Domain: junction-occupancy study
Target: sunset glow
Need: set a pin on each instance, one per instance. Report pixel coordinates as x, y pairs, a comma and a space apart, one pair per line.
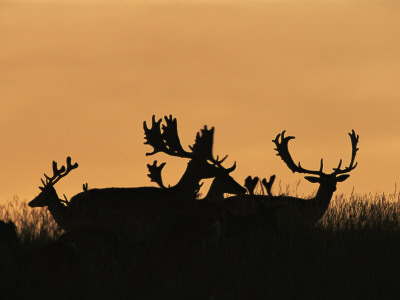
80, 79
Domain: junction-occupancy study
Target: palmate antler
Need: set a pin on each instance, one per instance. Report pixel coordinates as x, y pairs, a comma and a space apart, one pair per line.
155, 173
165, 139
283, 152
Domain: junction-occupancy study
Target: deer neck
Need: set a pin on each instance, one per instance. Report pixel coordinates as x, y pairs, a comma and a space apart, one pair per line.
215, 191
322, 199
189, 182
59, 213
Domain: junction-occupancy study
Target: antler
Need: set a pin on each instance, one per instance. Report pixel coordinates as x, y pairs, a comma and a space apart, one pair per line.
59, 173
203, 146
354, 141
283, 152
155, 176
250, 184
268, 184
155, 173
166, 139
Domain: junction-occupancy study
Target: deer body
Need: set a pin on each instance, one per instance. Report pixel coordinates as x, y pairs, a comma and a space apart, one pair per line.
200, 222
139, 209
290, 211
251, 212
60, 213
295, 211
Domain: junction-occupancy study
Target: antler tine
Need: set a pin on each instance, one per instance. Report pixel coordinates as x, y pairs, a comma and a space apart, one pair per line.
354, 141
155, 173
283, 152
218, 161
153, 136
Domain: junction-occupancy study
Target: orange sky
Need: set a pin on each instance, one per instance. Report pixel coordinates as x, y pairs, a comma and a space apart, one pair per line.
79, 79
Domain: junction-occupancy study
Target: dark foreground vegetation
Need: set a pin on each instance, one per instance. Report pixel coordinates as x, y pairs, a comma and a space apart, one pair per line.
353, 253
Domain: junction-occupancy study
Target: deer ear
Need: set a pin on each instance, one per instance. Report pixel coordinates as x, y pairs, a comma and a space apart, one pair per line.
342, 178
312, 179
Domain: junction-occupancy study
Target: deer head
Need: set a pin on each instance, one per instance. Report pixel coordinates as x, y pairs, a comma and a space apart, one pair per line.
48, 195
223, 183
328, 181
165, 139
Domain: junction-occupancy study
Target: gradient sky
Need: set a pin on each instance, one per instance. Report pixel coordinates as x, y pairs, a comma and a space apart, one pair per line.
79, 79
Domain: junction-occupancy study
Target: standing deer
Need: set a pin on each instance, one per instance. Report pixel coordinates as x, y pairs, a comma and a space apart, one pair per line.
141, 207
48, 196
295, 211
251, 211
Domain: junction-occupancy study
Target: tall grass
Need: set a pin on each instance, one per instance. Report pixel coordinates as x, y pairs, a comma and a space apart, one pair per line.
32, 224
352, 253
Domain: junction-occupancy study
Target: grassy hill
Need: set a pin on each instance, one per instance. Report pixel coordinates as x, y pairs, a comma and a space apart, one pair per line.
353, 252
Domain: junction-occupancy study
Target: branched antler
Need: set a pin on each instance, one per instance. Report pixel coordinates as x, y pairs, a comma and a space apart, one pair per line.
59, 173
354, 141
166, 139
283, 152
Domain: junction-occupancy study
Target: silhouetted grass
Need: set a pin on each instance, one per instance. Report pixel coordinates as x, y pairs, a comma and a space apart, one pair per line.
353, 253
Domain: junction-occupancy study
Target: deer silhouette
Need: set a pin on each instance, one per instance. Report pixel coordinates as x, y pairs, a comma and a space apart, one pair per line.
138, 207
294, 211
199, 223
203, 222
249, 212
48, 197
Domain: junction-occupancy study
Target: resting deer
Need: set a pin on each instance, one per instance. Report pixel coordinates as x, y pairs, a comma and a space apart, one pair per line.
135, 206
297, 211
